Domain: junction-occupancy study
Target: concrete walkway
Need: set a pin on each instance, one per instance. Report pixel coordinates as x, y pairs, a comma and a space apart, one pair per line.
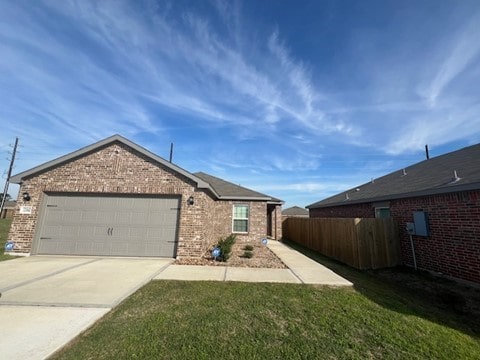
306, 269
301, 269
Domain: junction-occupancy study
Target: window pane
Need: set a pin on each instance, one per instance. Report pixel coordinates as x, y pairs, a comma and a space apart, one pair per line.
382, 212
240, 212
240, 218
240, 225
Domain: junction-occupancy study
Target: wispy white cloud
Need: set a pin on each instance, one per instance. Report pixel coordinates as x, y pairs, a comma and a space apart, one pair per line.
461, 50
434, 128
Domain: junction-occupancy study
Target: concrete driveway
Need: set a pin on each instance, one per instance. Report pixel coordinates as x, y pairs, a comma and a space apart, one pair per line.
47, 300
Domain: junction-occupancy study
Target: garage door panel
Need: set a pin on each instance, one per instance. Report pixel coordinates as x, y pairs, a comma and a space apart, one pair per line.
89, 216
120, 248
84, 247
86, 231
100, 248
117, 226
68, 231
104, 216
140, 218
55, 246
123, 218
54, 215
71, 216
48, 246
51, 230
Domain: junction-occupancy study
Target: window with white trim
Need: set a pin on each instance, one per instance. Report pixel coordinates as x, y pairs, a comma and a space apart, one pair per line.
240, 218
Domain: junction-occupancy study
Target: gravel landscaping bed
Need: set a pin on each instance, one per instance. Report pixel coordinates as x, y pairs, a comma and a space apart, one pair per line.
263, 257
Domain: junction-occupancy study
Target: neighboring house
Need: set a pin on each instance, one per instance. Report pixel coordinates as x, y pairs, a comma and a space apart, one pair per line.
8, 209
445, 188
116, 198
294, 211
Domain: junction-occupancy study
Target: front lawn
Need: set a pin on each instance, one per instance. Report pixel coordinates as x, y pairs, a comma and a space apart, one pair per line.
4, 228
222, 320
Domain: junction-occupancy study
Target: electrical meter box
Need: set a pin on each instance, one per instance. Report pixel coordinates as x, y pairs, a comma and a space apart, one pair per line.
420, 218
410, 228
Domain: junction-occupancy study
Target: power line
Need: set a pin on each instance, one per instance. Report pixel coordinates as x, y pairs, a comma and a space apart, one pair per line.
7, 182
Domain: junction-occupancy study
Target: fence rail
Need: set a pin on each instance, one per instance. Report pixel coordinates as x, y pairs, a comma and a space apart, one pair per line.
361, 243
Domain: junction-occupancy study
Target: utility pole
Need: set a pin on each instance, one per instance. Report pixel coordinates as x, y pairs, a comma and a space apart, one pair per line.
7, 182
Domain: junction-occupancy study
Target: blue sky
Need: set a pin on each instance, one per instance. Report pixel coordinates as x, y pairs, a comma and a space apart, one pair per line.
296, 99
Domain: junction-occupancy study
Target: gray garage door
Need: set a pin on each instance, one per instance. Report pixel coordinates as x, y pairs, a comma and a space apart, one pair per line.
107, 225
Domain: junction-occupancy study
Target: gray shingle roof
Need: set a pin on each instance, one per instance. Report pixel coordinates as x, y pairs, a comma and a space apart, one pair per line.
428, 177
229, 191
295, 211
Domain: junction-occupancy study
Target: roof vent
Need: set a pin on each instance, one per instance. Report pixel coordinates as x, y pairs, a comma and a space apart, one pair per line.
346, 196
455, 177
372, 180
404, 172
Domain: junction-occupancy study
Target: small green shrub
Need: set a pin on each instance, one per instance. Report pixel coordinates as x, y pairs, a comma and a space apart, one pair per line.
248, 247
248, 254
225, 246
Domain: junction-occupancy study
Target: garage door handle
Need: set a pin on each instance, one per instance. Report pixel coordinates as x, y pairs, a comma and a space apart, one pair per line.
109, 231
45, 238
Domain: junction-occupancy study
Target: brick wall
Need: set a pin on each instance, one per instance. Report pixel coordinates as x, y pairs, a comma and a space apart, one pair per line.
453, 247
118, 169
277, 222
257, 227
350, 211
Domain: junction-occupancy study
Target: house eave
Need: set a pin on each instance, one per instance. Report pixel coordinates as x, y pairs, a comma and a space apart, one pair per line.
244, 198
427, 192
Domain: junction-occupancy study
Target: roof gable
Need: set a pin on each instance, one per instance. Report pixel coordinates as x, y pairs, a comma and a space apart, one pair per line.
18, 178
433, 176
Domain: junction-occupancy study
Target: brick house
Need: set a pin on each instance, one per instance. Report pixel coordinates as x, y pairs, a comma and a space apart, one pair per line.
115, 198
442, 193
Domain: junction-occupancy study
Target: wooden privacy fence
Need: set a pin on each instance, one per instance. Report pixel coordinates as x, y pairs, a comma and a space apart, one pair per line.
361, 243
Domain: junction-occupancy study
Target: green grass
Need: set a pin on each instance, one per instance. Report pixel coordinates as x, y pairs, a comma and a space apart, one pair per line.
220, 320
437, 299
4, 227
